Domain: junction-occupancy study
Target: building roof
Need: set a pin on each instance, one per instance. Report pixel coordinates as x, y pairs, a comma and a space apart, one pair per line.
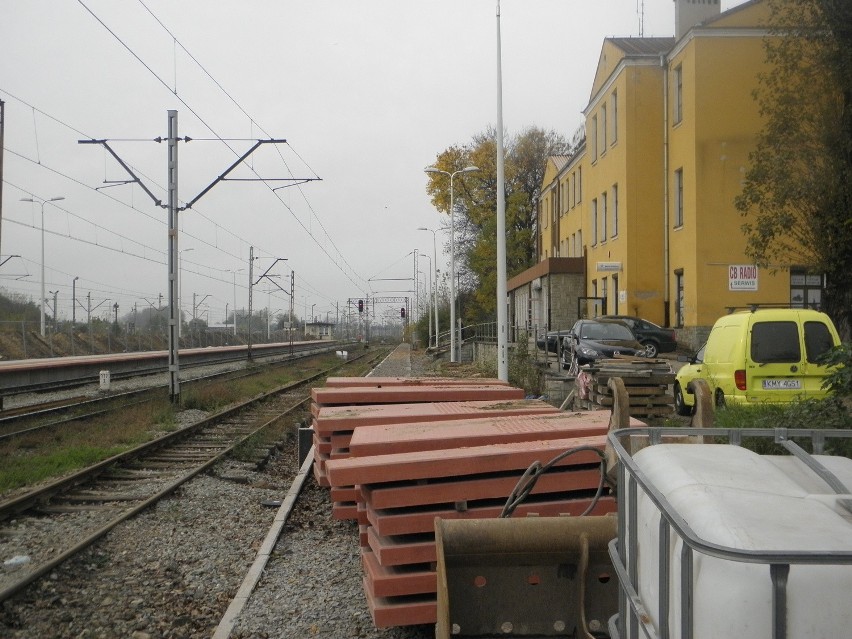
643, 46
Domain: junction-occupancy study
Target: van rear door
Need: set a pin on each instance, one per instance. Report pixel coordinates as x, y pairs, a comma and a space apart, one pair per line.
780, 363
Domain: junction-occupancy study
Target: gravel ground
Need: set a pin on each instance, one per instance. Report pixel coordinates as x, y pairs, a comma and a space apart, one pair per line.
171, 571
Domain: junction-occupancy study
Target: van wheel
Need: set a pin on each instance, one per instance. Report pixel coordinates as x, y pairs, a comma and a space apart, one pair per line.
651, 349
680, 405
720, 399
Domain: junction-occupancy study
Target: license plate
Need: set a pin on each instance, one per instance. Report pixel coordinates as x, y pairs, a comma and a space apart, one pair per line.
784, 384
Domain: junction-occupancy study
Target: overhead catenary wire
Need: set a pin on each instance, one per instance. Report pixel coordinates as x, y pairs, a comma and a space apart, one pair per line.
220, 138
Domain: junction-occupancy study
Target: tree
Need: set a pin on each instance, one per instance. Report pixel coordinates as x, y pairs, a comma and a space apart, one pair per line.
797, 197
475, 200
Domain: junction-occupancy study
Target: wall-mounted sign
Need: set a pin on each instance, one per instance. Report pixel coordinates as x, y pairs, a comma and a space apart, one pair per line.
609, 266
742, 277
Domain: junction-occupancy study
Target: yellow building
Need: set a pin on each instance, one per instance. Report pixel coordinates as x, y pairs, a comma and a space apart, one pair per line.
648, 200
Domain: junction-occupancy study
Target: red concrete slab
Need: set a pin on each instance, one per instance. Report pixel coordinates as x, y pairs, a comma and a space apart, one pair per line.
379, 382
475, 460
320, 476
322, 444
408, 610
451, 490
362, 536
402, 549
389, 581
404, 521
413, 394
341, 439
331, 419
347, 493
419, 436
345, 511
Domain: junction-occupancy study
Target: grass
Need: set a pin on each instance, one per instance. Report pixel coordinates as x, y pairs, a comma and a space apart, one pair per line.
47, 454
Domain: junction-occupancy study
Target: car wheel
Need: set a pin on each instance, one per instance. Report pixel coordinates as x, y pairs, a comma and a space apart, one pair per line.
680, 405
720, 399
651, 349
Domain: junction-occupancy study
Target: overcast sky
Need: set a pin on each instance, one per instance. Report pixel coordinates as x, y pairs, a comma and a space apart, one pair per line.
365, 92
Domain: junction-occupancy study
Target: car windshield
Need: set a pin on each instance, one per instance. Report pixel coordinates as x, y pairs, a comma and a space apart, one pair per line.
604, 331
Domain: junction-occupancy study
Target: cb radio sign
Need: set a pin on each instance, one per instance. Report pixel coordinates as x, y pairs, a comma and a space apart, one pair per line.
742, 277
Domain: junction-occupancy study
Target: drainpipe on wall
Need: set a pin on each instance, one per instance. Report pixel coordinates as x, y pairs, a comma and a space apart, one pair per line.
666, 256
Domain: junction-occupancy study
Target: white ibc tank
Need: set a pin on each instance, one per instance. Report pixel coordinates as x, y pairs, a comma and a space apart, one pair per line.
735, 498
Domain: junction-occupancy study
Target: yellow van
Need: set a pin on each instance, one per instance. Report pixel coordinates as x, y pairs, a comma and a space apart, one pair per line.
761, 356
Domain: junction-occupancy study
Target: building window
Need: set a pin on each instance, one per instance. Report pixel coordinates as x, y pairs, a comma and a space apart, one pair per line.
805, 289
594, 222
603, 129
572, 248
604, 295
573, 189
678, 194
679, 298
603, 217
594, 138
615, 294
579, 252
678, 96
614, 210
579, 184
614, 115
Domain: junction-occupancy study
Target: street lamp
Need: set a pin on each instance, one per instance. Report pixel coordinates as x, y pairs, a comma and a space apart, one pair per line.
468, 169
179, 289
42, 202
235, 298
435, 288
428, 302
74, 300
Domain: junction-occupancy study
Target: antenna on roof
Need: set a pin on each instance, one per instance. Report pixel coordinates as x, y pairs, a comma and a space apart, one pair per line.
640, 10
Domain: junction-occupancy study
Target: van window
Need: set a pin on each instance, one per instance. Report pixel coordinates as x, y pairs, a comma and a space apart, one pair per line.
818, 340
775, 342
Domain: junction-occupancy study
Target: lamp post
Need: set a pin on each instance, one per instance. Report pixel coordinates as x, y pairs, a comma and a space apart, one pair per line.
502, 311
429, 300
235, 299
179, 289
74, 300
42, 203
435, 271
468, 169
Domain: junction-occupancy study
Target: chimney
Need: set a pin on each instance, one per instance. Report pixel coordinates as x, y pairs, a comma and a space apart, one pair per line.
689, 13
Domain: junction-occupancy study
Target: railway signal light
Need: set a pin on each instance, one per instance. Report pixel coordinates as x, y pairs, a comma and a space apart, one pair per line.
360, 306
402, 312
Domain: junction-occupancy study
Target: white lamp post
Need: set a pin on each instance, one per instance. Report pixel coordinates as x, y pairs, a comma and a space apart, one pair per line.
179, 290
468, 169
235, 298
42, 202
435, 271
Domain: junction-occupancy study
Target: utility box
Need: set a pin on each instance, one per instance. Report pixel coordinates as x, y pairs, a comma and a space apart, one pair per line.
717, 541
105, 381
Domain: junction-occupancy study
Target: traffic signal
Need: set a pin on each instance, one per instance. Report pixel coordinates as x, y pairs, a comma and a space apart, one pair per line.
402, 312
360, 306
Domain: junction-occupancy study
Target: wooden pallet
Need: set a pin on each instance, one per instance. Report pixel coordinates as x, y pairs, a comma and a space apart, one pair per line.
646, 381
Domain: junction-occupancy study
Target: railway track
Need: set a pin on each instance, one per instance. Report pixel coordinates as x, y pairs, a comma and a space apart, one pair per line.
29, 419
93, 501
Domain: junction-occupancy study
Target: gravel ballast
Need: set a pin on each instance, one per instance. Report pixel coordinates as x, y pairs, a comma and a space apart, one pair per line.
171, 571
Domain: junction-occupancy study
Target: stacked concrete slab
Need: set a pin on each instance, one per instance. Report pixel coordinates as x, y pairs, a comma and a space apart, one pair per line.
403, 465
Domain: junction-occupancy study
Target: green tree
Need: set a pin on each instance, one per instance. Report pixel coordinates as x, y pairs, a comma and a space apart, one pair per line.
475, 200
796, 197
